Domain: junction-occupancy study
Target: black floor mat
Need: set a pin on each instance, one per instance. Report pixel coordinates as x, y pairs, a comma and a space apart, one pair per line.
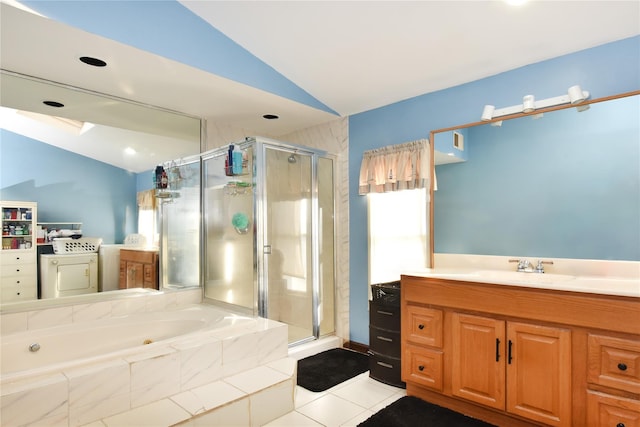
410, 411
324, 370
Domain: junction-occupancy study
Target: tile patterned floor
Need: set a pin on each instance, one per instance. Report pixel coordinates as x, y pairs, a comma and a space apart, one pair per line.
346, 404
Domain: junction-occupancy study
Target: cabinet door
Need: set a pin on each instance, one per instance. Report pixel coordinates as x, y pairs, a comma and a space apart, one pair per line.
539, 373
478, 367
135, 275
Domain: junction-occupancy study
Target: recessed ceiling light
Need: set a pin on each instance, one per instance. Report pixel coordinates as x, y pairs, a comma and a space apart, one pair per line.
55, 104
270, 116
93, 61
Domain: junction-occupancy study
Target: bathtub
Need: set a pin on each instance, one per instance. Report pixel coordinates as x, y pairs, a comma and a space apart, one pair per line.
54, 348
91, 370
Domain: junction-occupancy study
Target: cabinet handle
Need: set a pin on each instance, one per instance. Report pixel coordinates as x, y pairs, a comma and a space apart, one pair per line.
387, 313
509, 353
622, 366
385, 365
620, 425
420, 368
497, 349
420, 326
384, 339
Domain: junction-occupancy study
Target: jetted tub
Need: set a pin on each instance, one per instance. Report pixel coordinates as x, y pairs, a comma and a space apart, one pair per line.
66, 345
79, 373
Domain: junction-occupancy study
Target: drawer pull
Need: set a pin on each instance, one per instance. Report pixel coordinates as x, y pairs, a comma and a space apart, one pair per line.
421, 326
622, 366
386, 313
420, 368
384, 339
385, 365
620, 425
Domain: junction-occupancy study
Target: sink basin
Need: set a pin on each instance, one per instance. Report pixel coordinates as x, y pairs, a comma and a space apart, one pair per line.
521, 277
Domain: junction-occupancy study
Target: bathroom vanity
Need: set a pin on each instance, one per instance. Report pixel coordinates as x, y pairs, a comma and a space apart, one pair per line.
138, 269
514, 353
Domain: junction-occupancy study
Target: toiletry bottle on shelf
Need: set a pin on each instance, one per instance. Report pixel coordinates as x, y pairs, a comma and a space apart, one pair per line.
158, 180
164, 180
228, 167
237, 163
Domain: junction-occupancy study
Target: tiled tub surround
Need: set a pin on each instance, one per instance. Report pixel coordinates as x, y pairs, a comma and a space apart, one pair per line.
204, 375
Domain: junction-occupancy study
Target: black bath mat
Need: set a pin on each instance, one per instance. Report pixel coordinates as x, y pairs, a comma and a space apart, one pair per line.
410, 411
324, 370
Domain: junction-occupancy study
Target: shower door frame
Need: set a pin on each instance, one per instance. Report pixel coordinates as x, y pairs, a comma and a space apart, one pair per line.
262, 145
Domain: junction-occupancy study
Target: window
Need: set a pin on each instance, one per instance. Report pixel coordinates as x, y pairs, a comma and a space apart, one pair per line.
398, 233
147, 217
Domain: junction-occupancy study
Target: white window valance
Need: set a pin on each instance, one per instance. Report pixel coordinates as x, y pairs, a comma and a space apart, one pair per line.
395, 167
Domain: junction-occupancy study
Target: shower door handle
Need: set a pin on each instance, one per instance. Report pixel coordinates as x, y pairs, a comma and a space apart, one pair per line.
267, 249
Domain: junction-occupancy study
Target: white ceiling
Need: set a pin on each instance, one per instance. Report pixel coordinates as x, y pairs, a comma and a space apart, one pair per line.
358, 55
352, 56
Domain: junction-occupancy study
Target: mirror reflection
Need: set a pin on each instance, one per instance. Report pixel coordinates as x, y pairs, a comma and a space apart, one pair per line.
87, 174
564, 185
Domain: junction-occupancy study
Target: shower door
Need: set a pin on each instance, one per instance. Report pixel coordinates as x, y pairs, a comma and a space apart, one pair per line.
288, 292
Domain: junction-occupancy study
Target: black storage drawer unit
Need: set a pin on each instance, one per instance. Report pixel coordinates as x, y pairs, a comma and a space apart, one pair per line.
384, 334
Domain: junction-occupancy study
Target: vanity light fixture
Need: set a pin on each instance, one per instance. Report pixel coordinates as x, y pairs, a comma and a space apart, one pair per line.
575, 95
528, 103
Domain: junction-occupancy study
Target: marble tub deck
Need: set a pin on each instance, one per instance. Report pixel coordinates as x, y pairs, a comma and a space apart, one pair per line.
194, 380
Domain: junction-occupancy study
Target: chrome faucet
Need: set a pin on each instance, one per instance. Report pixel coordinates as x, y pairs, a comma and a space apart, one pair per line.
540, 266
525, 266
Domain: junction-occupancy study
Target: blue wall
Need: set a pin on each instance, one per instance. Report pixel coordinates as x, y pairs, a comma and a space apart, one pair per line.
68, 187
605, 70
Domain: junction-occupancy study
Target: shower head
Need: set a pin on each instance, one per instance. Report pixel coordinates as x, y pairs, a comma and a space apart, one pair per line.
292, 158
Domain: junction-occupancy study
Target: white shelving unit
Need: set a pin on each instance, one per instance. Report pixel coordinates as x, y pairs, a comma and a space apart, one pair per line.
18, 260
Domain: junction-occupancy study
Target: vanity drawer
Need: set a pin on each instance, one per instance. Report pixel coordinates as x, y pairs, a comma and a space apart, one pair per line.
609, 411
423, 325
384, 341
614, 362
422, 366
384, 316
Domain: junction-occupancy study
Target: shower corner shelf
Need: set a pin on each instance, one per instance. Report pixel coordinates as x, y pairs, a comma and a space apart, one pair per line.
166, 195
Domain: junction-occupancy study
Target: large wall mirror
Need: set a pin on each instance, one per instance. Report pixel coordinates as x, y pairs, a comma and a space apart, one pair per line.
91, 176
564, 184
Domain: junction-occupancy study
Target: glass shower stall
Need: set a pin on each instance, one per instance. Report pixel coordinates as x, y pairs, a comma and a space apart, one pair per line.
268, 214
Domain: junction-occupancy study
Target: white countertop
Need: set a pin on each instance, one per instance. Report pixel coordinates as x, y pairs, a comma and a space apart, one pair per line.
605, 285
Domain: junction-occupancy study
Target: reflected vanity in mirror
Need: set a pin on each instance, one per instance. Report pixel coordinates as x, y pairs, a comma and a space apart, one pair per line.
86, 176
565, 184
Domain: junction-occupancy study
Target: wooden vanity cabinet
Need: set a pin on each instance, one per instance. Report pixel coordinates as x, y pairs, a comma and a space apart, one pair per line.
517, 356
138, 269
